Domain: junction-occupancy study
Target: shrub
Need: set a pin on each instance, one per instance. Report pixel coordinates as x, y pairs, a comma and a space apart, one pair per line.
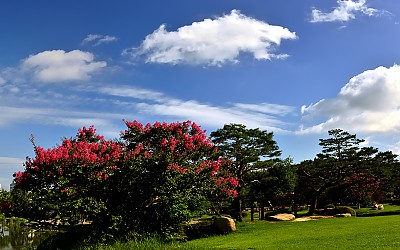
201, 229
245, 213
395, 202
345, 209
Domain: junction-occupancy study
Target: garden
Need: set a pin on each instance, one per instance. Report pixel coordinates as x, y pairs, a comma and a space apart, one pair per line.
164, 185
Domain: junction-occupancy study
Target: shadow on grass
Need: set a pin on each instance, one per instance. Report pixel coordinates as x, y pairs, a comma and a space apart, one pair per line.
74, 238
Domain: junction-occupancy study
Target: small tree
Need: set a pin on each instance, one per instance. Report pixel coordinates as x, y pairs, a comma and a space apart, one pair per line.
244, 148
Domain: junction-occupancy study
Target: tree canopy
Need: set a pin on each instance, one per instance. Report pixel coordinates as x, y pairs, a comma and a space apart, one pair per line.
246, 150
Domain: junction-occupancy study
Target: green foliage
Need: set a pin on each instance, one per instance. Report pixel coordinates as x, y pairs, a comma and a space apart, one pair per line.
151, 181
350, 172
246, 150
201, 229
245, 213
345, 209
165, 177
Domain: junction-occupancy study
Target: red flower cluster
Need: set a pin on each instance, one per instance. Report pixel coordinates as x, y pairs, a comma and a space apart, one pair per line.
184, 147
81, 162
86, 150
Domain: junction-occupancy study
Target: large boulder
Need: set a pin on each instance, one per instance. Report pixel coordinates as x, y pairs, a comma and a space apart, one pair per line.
281, 217
225, 224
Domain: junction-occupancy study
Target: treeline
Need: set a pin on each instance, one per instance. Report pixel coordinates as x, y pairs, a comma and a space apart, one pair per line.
157, 176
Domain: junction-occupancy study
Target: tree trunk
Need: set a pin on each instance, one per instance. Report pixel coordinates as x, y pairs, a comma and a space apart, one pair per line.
252, 210
295, 208
239, 216
313, 205
262, 212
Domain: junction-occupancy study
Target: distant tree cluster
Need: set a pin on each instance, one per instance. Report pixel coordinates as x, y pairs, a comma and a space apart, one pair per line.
346, 173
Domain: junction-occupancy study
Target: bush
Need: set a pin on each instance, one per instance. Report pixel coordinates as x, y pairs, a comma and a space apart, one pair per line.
245, 213
395, 202
345, 209
201, 229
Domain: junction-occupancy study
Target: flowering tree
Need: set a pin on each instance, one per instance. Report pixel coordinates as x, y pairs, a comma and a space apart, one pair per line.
166, 174
155, 178
363, 186
69, 180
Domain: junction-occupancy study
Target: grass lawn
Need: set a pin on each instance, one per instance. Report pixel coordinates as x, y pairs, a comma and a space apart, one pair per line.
381, 232
389, 210
339, 233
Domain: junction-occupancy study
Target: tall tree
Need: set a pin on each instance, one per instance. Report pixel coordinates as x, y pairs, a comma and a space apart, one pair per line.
338, 160
246, 150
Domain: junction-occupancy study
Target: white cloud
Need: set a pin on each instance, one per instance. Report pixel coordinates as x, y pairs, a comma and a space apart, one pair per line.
369, 103
266, 108
214, 41
61, 66
13, 115
8, 166
214, 116
345, 11
98, 39
132, 92
151, 103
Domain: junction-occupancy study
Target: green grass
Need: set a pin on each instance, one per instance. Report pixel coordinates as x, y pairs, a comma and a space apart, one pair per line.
337, 233
388, 210
382, 232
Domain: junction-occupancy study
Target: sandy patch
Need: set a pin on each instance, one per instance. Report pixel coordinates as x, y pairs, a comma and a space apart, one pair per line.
314, 217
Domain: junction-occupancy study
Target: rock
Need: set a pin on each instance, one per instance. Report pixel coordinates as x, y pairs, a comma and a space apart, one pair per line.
378, 206
281, 217
344, 215
225, 224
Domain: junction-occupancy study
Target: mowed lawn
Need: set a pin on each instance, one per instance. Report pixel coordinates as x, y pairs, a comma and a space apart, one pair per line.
381, 232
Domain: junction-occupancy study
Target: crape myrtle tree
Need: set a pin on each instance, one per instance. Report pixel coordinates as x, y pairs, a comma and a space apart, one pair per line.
244, 149
376, 179
149, 182
165, 175
69, 181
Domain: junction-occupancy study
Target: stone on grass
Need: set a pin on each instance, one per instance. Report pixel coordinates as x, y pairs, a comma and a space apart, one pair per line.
344, 215
281, 217
225, 225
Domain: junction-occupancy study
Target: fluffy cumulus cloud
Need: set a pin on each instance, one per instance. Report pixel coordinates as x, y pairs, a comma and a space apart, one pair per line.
369, 103
96, 39
61, 66
345, 11
215, 41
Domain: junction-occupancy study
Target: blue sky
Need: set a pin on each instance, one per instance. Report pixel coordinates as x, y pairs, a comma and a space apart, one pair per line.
296, 68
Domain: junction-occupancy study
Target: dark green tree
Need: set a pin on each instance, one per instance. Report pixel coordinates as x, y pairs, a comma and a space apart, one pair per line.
274, 183
339, 159
247, 150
